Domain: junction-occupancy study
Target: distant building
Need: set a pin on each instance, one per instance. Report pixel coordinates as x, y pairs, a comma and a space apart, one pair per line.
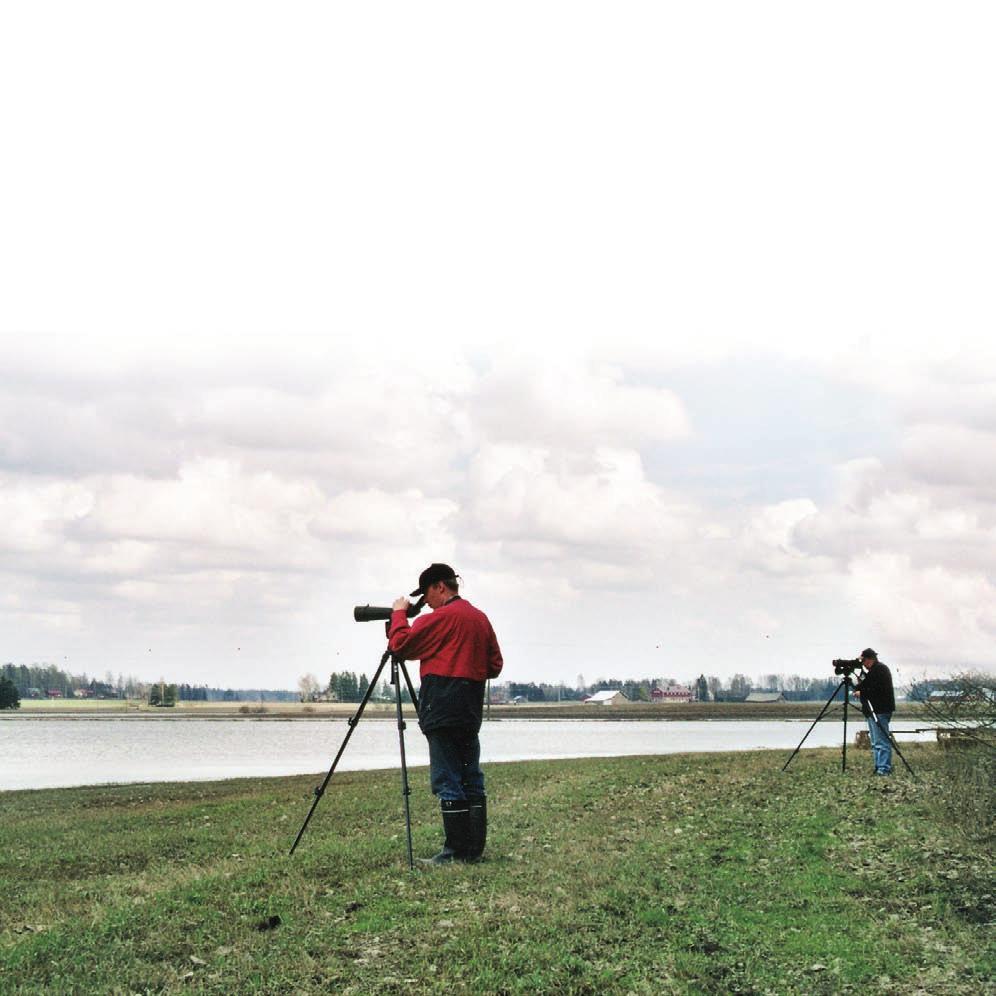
765, 697
946, 695
673, 693
611, 696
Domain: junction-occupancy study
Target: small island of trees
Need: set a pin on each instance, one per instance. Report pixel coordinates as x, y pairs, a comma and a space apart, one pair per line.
10, 698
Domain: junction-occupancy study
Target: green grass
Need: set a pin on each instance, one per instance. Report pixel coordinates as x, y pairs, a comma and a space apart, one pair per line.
683, 874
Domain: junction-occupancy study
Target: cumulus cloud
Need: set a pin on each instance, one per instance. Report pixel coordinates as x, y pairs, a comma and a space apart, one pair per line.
768, 540
914, 534
935, 615
211, 507
122, 432
559, 401
375, 516
34, 514
553, 506
347, 419
237, 497
952, 455
188, 496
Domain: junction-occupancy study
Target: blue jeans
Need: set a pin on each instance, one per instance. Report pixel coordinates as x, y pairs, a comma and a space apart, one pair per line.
455, 764
881, 744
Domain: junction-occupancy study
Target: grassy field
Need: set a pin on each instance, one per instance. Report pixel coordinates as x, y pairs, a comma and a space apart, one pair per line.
687, 711
85, 708
676, 874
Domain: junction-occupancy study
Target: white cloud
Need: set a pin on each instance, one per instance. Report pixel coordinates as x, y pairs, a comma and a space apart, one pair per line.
33, 514
768, 540
561, 402
378, 517
952, 455
916, 536
211, 507
555, 504
933, 615
306, 483
31, 606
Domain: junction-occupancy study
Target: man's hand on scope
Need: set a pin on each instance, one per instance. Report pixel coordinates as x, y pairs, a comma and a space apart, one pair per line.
401, 604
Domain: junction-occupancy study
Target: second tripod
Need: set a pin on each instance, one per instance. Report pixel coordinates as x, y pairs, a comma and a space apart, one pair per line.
398, 671
845, 684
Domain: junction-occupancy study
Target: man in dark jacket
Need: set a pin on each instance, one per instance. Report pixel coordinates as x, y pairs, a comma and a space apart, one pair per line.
878, 703
458, 652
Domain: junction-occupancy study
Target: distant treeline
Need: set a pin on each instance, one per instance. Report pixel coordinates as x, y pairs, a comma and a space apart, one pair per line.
204, 693
46, 680
346, 686
342, 686
43, 680
794, 688
250, 695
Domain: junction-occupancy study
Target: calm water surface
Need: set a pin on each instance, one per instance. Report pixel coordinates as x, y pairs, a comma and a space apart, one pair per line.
53, 753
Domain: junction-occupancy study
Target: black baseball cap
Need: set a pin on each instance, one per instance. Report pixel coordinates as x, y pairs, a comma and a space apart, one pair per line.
432, 574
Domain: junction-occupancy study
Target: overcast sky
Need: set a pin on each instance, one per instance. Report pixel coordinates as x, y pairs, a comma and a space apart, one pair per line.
668, 326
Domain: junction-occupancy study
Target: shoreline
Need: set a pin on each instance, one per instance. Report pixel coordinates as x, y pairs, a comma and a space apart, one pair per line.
35, 710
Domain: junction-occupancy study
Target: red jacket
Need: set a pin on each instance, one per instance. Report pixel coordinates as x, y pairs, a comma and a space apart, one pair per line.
454, 641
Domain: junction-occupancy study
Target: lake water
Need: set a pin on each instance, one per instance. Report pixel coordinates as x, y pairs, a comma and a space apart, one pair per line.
44, 753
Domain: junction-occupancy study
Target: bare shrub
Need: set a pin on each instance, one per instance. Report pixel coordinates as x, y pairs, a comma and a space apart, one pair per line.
966, 718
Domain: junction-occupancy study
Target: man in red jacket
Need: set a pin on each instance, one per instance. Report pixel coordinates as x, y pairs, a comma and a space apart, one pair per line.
458, 652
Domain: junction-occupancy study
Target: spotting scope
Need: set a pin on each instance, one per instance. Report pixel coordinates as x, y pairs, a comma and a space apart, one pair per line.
373, 613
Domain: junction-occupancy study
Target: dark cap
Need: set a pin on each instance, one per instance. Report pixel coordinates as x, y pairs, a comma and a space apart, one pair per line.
432, 574
869, 655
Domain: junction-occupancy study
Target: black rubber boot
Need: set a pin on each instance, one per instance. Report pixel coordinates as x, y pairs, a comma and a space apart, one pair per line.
478, 835
456, 831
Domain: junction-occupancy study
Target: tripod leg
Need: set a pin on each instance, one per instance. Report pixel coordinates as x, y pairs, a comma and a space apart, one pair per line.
320, 791
408, 683
895, 747
847, 702
405, 790
833, 695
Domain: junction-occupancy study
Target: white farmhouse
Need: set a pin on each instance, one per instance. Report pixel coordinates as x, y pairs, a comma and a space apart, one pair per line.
611, 696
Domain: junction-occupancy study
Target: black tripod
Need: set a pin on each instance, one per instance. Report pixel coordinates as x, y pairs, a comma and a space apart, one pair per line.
846, 685
398, 669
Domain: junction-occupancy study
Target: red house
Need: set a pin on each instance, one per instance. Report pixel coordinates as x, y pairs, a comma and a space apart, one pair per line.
674, 693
